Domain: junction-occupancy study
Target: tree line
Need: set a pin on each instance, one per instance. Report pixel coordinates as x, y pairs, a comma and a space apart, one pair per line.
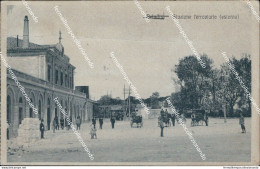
214, 89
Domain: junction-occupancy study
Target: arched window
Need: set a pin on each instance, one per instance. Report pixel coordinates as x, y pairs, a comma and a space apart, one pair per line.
49, 114
9, 105
31, 110
40, 109
20, 100
20, 110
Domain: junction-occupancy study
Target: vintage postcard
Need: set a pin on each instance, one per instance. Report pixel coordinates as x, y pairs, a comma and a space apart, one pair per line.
130, 83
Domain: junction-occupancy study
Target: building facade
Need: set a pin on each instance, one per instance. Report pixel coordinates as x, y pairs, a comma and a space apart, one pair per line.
45, 73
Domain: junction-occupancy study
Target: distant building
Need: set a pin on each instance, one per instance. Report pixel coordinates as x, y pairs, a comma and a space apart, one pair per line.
45, 73
108, 110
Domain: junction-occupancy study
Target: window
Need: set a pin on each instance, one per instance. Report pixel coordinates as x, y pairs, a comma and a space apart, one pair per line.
61, 78
40, 110
8, 109
56, 76
70, 82
49, 73
66, 80
20, 115
31, 110
20, 110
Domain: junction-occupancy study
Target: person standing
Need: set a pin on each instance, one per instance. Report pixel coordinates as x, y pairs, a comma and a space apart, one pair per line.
162, 112
206, 119
173, 119
161, 126
53, 125
242, 123
66, 124
93, 132
57, 122
113, 122
94, 122
100, 123
62, 123
42, 129
78, 123
167, 117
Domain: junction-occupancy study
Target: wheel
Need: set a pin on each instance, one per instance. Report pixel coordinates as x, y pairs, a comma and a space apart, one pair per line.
142, 124
131, 124
191, 123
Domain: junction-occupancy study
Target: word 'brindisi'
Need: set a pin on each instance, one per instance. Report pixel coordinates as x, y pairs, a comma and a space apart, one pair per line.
129, 82
18, 84
75, 40
74, 129
185, 129
240, 81
185, 37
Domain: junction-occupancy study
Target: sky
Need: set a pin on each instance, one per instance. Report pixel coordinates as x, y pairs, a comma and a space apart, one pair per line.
146, 51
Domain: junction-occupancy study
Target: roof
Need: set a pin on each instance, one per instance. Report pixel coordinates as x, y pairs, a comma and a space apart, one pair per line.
12, 44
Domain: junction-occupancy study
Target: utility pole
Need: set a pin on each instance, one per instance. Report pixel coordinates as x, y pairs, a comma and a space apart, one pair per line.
124, 104
127, 103
129, 100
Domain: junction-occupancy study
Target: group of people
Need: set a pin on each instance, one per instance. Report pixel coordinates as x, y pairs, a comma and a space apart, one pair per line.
163, 118
166, 117
112, 120
93, 130
56, 125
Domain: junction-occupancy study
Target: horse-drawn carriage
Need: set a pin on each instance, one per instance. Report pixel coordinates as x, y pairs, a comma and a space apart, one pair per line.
198, 117
165, 119
138, 119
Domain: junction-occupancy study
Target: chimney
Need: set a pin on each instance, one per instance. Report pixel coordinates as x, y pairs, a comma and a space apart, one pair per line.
26, 32
17, 41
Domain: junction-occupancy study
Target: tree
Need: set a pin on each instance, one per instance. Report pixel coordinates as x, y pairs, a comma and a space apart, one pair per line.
195, 79
233, 91
155, 100
107, 100
243, 67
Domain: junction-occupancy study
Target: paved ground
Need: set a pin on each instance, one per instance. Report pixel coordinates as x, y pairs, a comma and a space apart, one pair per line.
220, 142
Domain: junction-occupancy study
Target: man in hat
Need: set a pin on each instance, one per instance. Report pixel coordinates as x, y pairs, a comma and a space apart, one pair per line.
242, 123
173, 119
42, 129
161, 126
100, 122
113, 122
